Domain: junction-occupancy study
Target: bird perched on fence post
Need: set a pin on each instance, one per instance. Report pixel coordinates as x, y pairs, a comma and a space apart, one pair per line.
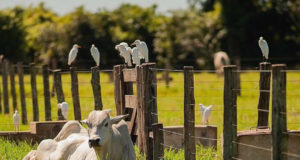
205, 112
264, 48
73, 53
64, 107
16, 120
124, 52
95, 54
143, 49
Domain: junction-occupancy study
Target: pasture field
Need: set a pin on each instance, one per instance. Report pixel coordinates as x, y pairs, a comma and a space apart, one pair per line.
208, 91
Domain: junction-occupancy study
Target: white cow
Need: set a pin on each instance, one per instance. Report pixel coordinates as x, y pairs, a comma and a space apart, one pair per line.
106, 137
221, 59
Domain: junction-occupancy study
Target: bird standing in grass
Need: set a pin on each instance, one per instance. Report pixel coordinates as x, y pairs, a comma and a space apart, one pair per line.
143, 49
95, 54
205, 112
64, 107
16, 120
73, 53
264, 48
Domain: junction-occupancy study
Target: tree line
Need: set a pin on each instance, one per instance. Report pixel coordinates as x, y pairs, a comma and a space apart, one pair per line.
176, 38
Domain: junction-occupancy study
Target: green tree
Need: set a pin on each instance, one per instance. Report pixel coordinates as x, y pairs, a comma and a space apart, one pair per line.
13, 34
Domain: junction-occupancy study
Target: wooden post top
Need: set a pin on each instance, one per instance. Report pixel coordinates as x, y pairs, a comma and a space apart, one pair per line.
264, 63
278, 65
188, 67
56, 70
230, 66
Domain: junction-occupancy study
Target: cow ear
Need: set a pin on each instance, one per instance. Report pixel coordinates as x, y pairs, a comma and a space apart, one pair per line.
108, 111
117, 119
84, 121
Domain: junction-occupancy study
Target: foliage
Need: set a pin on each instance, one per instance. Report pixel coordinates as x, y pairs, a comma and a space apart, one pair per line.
177, 38
12, 34
189, 39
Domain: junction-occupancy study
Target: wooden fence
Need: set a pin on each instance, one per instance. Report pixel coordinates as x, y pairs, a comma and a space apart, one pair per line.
142, 107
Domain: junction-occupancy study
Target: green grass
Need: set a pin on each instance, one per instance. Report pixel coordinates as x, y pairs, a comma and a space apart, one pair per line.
14, 151
208, 90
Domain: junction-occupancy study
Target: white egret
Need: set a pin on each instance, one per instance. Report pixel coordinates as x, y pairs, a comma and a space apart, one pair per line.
125, 53
135, 56
125, 44
95, 54
64, 109
205, 112
264, 47
143, 49
73, 53
16, 120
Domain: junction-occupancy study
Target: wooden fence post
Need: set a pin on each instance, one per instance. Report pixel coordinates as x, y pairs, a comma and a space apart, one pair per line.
119, 89
237, 61
5, 86
13, 86
264, 95
22, 92
148, 106
1, 70
279, 126
158, 140
139, 108
46, 93
35, 105
230, 115
189, 114
75, 93
59, 91
95, 81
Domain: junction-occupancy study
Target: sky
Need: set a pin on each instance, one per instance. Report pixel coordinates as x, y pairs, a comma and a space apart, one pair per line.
65, 6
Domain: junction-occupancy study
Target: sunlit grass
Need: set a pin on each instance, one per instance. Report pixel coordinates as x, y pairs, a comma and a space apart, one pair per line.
208, 90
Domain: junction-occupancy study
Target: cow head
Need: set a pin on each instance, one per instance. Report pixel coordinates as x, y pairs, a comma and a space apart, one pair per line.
100, 127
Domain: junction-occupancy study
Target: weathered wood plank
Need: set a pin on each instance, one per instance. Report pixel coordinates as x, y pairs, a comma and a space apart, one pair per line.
13, 85
148, 107
95, 81
230, 116
46, 93
279, 126
119, 90
75, 93
139, 109
129, 75
158, 140
131, 101
22, 93
189, 114
264, 97
5, 86
59, 91
35, 106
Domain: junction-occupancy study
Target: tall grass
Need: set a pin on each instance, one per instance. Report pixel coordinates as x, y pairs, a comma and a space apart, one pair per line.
14, 151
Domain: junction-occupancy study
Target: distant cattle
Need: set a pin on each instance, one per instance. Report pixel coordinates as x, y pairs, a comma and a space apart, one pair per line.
106, 137
221, 59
